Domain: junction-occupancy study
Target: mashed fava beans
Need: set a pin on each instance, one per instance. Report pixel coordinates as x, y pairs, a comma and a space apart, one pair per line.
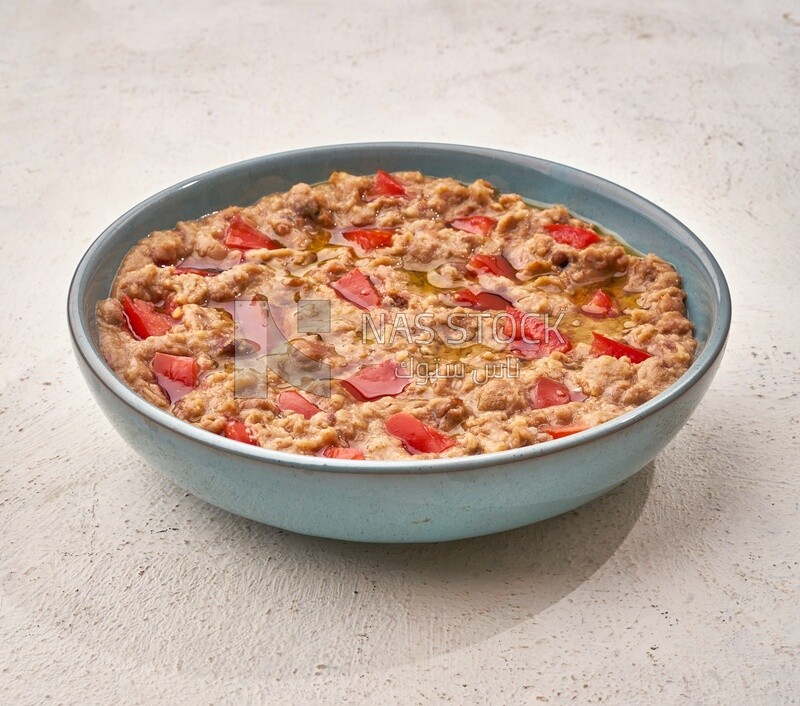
394, 315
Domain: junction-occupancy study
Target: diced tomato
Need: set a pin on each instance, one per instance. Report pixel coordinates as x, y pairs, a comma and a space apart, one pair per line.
572, 235
416, 437
181, 270
291, 401
238, 431
369, 238
170, 306
521, 325
254, 325
560, 432
240, 235
343, 452
602, 345
252, 322
207, 266
493, 264
385, 184
479, 225
600, 304
143, 319
180, 368
549, 393
356, 288
176, 374
532, 338
482, 301
375, 381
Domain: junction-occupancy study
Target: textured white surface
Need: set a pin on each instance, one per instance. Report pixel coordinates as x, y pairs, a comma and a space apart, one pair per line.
682, 585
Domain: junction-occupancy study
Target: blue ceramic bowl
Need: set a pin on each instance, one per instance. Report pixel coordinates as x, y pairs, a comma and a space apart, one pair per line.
404, 501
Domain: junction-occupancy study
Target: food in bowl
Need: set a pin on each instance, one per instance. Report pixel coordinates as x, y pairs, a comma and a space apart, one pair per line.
394, 315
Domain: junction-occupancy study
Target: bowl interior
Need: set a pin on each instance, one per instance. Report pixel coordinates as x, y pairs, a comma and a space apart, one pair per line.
643, 225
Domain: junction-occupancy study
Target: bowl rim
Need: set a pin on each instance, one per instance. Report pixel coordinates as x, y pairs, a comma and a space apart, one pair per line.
94, 361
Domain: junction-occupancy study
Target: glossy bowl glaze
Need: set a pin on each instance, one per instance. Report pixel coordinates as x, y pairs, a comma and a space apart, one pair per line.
404, 501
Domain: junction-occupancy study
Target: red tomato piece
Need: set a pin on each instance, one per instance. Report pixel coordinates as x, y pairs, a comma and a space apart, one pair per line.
369, 238
240, 235
143, 319
170, 306
482, 301
416, 437
549, 393
207, 266
180, 368
600, 304
532, 338
521, 325
176, 374
375, 381
238, 431
343, 452
385, 184
209, 272
291, 401
252, 322
493, 264
560, 432
575, 236
602, 345
479, 225
356, 288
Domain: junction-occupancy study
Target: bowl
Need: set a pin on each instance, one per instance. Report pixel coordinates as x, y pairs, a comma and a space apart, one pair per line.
414, 500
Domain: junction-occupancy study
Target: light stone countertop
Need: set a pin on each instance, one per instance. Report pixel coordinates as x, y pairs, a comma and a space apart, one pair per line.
680, 586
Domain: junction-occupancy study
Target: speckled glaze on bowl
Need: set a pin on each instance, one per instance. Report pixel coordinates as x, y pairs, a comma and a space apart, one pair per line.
404, 501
